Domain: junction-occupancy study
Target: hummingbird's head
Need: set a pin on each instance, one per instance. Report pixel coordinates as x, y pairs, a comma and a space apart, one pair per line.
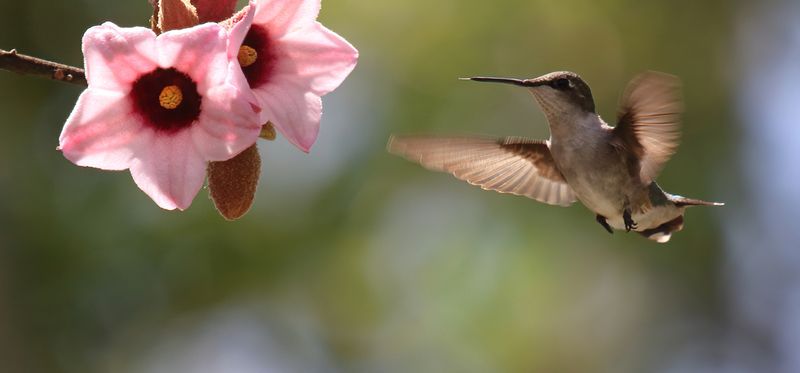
556, 92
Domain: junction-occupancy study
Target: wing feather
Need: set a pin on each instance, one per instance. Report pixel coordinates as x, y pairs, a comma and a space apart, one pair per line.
649, 121
513, 165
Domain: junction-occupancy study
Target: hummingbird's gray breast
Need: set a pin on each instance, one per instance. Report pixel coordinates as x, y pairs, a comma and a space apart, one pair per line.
600, 176
596, 170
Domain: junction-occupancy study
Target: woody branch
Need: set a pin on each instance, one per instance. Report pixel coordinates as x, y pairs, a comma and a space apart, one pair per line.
27, 65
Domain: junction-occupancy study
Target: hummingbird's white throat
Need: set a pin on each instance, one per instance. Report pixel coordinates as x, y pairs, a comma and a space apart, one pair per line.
564, 117
554, 103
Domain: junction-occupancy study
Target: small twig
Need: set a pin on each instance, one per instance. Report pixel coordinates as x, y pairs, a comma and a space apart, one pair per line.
27, 65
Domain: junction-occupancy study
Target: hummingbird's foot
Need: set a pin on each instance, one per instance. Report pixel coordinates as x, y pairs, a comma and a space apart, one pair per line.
602, 220
629, 223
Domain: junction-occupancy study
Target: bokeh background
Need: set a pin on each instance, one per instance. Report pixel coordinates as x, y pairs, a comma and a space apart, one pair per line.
353, 260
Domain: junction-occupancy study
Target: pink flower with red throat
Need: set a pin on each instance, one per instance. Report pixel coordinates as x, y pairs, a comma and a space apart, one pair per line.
162, 106
291, 61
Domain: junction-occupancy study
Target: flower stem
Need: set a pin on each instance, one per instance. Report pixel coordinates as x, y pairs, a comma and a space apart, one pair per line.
27, 65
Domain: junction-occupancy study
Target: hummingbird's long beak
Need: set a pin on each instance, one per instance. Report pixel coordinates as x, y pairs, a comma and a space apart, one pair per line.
517, 82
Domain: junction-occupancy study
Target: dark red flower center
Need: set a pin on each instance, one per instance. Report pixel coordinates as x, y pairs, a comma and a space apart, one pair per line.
166, 99
257, 56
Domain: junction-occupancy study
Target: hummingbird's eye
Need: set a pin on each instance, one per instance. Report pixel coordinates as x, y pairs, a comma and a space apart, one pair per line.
562, 83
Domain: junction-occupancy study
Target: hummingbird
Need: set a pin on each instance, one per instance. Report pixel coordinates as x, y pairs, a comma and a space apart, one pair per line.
611, 170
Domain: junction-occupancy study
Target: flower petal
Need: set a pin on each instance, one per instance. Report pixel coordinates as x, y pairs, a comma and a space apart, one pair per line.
316, 57
171, 172
228, 124
101, 132
294, 112
199, 52
283, 16
238, 31
114, 57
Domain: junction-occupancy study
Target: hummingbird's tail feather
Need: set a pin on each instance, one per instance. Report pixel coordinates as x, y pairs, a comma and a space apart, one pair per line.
681, 201
663, 232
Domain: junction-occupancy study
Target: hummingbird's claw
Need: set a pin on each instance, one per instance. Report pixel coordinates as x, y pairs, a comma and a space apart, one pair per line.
603, 221
629, 223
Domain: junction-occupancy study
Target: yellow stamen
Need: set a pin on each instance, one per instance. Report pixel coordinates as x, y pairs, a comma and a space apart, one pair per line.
247, 56
170, 97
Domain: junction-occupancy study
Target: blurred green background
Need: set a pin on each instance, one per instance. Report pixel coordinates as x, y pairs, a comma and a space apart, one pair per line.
353, 260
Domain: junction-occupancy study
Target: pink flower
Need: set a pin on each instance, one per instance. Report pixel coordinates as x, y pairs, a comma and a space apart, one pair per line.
160, 106
290, 61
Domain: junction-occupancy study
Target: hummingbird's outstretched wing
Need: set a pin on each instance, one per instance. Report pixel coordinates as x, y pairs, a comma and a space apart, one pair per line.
649, 121
513, 165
